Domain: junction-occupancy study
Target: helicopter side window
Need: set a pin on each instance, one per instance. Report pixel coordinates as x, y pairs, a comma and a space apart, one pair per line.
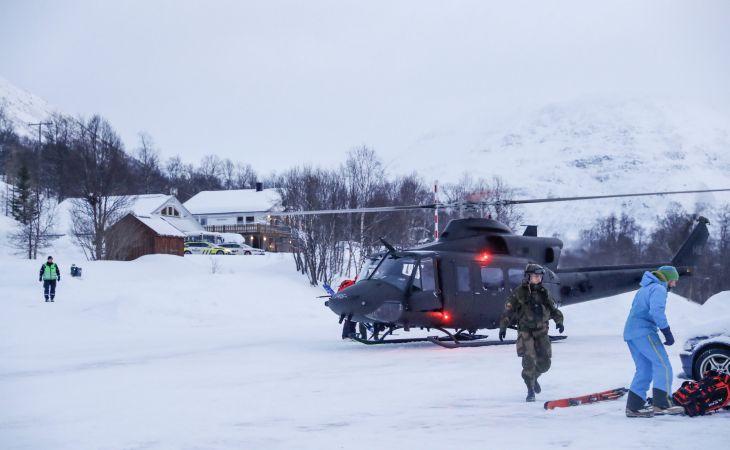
462, 279
424, 278
492, 278
515, 277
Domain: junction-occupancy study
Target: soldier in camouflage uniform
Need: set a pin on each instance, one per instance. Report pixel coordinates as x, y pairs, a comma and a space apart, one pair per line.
531, 307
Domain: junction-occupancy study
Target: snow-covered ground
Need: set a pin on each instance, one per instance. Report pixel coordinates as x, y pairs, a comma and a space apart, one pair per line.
163, 353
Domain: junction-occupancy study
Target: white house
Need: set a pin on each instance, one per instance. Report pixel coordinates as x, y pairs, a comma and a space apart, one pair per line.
234, 207
245, 212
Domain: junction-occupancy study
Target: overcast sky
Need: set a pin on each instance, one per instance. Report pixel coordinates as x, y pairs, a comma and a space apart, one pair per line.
277, 83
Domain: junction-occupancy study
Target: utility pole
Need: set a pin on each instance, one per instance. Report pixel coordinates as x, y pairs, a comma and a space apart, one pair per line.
36, 231
39, 125
436, 210
40, 143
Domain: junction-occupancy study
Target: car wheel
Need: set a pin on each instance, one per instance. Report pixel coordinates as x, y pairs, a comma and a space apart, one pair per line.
713, 358
219, 252
246, 253
188, 252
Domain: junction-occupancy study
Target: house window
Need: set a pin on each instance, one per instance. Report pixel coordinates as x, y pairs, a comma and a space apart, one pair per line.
249, 219
170, 211
203, 221
239, 220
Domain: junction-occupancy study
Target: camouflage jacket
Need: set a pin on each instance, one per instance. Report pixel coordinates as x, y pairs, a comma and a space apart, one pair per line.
530, 307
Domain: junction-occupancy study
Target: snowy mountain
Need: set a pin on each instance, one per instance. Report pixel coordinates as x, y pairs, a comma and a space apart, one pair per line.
22, 108
595, 147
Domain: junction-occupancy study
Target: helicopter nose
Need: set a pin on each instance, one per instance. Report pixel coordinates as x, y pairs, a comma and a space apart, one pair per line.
368, 301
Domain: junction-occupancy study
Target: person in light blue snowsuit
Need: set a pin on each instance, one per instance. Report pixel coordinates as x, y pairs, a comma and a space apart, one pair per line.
640, 333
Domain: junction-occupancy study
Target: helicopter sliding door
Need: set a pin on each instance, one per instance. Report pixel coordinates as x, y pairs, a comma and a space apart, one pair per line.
425, 294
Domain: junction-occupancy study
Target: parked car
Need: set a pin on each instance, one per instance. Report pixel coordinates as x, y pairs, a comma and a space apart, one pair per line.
705, 352
242, 249
205, 248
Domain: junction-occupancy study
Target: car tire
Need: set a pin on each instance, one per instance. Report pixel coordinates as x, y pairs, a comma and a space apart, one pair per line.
219, 252
246, 253
715, 357
188, 252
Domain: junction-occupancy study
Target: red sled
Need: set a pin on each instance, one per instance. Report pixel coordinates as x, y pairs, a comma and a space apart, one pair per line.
612, 394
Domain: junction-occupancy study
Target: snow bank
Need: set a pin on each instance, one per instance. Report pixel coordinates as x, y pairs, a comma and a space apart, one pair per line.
231, 352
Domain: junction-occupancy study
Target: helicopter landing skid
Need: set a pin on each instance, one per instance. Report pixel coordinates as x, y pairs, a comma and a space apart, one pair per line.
450, 343
394, 341
450, 337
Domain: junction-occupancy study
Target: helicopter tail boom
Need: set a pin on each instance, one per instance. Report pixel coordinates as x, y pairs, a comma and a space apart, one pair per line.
589, 283
693, 246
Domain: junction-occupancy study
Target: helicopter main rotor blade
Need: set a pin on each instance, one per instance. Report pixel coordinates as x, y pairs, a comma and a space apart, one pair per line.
592, 197
356, 210
468, 204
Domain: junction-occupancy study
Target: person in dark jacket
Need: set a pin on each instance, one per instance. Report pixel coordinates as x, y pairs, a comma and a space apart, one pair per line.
49, 275
531, 307
650, 358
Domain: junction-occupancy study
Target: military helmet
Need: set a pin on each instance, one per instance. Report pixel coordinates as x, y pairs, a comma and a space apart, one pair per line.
537, 269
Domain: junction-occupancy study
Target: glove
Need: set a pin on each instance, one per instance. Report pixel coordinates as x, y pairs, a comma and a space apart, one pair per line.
40, 279
502, 334
59, 279
560, 327
668, 337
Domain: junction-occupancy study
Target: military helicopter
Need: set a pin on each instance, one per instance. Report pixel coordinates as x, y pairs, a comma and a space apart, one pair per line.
460, 281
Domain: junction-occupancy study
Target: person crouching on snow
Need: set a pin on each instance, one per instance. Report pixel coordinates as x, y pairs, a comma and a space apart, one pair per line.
651, 360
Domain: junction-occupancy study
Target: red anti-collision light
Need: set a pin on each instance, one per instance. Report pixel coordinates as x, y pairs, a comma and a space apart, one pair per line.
484, 257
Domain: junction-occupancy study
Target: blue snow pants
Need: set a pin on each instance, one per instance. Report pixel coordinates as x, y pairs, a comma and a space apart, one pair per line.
652, 365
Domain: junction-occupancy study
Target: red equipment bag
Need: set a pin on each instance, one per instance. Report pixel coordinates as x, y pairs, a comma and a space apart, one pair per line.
701, 397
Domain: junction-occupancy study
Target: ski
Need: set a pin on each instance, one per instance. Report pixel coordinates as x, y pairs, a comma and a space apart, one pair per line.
612, 394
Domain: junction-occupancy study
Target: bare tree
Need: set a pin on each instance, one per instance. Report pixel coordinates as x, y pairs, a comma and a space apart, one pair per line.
211, 166
317, 249
149, 161
34, 232
104, 174
228, 174
175, 169
245, 176
364, 173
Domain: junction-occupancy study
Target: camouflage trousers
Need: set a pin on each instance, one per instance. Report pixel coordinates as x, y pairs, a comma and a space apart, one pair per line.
535, 349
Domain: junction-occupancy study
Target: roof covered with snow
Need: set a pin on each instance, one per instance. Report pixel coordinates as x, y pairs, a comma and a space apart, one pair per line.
160, 226
184, 224
148, 203
234, 201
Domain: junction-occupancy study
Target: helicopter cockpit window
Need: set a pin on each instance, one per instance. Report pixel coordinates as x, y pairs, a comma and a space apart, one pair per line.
367, 268
424, 279
395, 271
492, 278
515, 277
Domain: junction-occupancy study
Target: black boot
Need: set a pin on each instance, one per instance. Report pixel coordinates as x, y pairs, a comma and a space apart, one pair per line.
530, 395
664, 405
636, 406
538, 389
